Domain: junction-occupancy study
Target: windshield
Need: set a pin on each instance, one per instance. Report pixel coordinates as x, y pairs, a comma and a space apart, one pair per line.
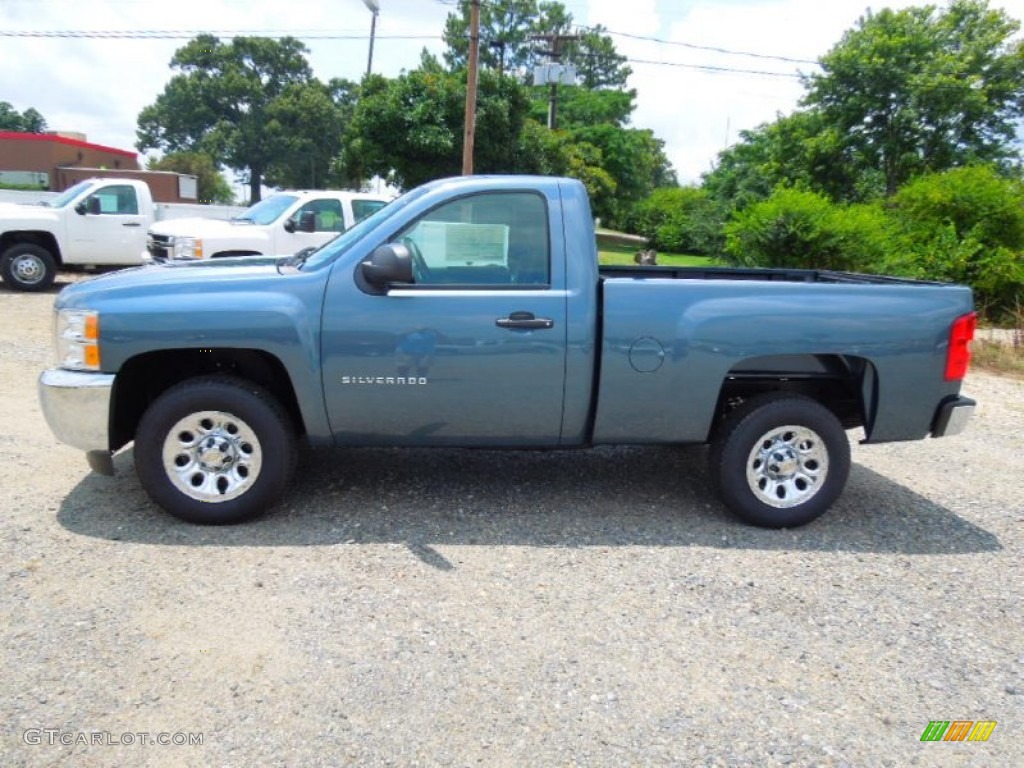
68, 195
346, 239
267, 211
363, 208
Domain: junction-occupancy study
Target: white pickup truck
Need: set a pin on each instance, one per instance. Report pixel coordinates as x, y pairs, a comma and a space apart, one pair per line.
95, 222
284, 223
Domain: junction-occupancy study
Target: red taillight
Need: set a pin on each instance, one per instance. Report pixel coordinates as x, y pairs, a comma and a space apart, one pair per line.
958, 357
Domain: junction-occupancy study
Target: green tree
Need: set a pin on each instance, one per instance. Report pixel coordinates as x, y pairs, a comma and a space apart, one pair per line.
634, 157
345, 95
798, 228
598, 64
10, 118
410, 128
679, 220
505, 30
29, 121
799, 150
213, 188
32, 121
306, 124
556, 153
965, 225
620, 165
508, 32
242, 103
579, 107
923, 90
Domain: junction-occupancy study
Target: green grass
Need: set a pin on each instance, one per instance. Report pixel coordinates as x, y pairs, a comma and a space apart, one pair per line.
24, 187
998, 358
1004, 356
621, 254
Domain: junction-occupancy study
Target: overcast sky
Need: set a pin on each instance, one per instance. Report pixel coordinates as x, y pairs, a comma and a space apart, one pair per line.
98, 85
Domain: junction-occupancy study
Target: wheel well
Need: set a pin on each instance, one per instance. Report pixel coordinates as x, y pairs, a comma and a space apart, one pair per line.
844, 384
145, 377
43, 239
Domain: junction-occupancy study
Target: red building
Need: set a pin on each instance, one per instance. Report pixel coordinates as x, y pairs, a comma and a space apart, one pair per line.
55, 162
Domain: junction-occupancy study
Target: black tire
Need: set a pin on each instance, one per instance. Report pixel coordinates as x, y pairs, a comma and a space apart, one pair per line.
28, 267
780, 460
215, 450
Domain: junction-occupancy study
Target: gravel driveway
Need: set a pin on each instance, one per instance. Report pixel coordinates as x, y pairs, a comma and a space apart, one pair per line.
600, 608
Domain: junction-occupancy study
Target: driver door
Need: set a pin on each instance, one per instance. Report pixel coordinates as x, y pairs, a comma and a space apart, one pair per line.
473, 353
116, 235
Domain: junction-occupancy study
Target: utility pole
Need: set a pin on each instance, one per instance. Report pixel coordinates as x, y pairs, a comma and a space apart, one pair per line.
554, 73
471, 77
374, 6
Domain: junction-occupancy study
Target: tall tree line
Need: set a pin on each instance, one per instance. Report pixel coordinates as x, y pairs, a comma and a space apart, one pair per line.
253, 105
29, 121
904, 93
903, 158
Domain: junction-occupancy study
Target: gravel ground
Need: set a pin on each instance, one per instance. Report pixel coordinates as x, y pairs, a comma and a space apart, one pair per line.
477, 608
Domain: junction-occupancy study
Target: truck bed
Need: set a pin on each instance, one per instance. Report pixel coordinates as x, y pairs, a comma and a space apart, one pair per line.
668, 346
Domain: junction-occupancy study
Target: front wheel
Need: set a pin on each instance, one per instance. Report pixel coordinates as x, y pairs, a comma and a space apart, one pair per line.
215, 450
28, 267
780, 460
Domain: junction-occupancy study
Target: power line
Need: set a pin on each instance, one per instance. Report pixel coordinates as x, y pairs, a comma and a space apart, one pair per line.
679, 43
344, 35
710, 68
621, 58
710, 48
165, 34
155, 34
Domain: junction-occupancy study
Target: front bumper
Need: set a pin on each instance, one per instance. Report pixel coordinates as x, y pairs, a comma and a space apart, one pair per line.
952, 416
76, 405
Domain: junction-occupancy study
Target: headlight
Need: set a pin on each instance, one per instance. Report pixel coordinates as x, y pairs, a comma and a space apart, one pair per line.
78, 339
188, 248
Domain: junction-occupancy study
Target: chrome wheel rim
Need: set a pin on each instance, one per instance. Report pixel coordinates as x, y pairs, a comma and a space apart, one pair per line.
28, 269
787, 466
212, 456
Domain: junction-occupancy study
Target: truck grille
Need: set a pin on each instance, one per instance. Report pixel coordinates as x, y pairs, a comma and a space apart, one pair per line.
159, 246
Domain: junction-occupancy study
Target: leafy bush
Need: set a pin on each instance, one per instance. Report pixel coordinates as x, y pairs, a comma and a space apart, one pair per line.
966, 226
678, 220
796, 228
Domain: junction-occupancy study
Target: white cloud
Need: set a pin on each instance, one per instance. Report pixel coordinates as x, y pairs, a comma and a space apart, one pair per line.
99, 86
699, 112
635, 17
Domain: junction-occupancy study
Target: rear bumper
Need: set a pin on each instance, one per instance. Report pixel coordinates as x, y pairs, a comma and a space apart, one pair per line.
76, 405
952, 416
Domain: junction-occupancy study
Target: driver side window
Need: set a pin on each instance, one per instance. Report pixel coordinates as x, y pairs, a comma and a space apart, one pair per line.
117, 199
327, 215
482, 240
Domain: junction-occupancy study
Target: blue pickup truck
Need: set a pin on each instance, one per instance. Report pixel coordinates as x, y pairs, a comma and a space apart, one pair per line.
473, 312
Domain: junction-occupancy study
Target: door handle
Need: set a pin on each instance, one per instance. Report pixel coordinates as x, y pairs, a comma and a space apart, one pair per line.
131, 224
524, 320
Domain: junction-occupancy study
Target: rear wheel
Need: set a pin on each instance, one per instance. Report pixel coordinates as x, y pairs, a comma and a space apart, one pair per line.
28, 267
780, 460
215, 450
